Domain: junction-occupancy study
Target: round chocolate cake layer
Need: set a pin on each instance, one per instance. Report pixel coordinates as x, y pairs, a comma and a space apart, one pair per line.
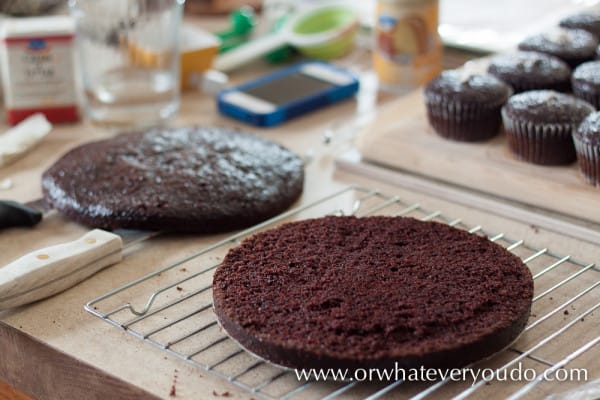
347, 292
198, 179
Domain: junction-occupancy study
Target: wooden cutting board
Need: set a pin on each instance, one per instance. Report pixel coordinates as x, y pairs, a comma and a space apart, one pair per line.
401, 138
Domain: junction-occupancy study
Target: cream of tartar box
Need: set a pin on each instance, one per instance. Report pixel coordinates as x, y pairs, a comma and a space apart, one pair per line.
38, 72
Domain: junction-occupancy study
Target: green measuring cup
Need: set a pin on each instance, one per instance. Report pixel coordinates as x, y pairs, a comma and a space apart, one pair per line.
324, 32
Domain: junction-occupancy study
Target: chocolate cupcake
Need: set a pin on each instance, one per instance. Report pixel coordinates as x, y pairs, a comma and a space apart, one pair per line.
573, 46
587, 145
539, 126
587, 21
529, 70
465, 107
586, 82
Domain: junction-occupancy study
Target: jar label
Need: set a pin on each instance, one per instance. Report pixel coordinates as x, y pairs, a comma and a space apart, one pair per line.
407, 45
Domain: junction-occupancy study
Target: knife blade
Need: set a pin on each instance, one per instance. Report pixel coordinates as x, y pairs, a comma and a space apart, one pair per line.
45, 272
14, 214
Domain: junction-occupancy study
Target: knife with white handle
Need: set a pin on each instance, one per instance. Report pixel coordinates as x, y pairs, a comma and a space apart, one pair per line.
48, 271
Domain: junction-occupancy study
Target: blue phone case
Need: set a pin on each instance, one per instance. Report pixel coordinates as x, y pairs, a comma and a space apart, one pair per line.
292, 109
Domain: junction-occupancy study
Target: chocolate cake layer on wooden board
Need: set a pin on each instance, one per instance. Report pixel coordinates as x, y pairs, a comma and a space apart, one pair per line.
198, 179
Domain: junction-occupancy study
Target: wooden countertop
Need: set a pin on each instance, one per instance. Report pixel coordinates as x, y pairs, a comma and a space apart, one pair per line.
73, 353
60, 322
54, 349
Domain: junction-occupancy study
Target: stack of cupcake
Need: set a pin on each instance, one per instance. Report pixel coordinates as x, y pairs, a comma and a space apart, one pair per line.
545, 95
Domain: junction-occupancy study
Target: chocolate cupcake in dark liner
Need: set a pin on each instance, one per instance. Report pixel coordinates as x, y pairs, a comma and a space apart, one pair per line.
587, 145
530, 70
586, 82
589, 21
573, 46
539, 125
465, 107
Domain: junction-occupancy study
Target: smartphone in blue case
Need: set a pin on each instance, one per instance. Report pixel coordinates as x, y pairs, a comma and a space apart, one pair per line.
288, 93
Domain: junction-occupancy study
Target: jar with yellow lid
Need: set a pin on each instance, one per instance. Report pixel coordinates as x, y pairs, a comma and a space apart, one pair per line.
408, 50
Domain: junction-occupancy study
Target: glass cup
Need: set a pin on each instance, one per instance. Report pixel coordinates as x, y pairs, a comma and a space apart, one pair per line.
128, 53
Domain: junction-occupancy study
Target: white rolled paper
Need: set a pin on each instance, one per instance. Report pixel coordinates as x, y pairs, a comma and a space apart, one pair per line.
21, 138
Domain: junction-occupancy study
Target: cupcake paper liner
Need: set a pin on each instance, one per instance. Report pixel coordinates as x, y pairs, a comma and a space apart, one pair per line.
463, 122
592, 98
545, 144
588, 155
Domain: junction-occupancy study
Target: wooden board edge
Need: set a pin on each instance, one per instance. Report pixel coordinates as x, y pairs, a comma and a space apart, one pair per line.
8, 392
43, 372
502, 207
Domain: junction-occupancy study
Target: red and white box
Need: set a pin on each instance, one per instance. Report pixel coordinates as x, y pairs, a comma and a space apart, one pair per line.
38, 72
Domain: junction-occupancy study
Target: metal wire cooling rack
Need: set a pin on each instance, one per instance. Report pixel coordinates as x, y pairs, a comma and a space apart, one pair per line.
172, 310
